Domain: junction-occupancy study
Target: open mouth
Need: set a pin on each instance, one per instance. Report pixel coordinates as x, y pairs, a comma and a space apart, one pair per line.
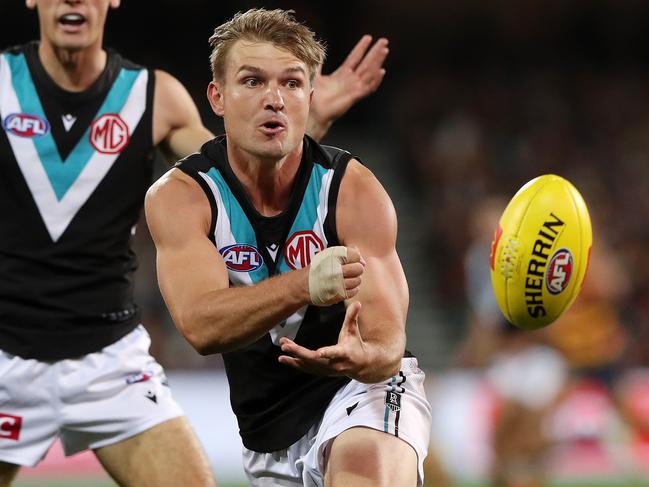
272, 127
72, 20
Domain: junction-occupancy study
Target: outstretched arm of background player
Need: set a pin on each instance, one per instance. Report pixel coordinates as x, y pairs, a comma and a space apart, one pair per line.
177, 125
358, 76
193, 278
372, 340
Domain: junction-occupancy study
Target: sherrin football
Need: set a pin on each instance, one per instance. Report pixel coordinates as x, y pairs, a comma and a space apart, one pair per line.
540, 252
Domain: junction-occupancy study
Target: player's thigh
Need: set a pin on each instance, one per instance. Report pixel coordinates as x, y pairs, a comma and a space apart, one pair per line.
364, 456
168, 454
8, 472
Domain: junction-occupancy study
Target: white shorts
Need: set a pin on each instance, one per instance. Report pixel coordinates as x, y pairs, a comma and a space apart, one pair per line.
533, 376
89, 402
397, 406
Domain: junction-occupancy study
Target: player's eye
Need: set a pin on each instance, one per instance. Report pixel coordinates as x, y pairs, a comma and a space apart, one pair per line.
293, 84
251, 82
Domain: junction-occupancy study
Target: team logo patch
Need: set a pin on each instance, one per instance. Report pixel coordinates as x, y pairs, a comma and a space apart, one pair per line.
26, 125
559, 271
301, 247
109, 134
241, 258
10, 426
139, 377
393, 401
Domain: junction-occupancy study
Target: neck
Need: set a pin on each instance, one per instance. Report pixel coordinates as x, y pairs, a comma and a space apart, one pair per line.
268, 182
72, 70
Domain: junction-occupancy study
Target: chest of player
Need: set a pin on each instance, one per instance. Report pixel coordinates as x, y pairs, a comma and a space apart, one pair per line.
59, 151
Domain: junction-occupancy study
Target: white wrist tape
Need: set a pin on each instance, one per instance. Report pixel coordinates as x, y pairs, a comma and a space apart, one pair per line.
326, 281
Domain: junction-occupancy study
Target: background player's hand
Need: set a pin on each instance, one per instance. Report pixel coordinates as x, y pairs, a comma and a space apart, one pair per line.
347, 357
358, 76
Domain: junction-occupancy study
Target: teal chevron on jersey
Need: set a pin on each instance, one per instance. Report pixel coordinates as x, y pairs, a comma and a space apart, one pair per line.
240, 226
63, 173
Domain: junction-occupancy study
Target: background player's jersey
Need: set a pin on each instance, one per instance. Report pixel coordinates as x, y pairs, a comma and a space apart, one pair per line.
74, 168
274, 403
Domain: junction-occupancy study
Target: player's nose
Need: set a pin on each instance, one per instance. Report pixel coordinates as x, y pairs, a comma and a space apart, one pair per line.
273, 99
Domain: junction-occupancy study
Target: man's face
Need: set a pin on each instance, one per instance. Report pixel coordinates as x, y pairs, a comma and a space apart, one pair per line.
72, 24
264, 99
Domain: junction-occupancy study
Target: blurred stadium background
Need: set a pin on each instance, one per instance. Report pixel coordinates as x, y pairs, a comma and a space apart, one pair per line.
479, 98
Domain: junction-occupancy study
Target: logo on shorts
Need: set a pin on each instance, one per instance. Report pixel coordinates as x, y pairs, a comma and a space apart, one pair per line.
10, 426
109, 134
301, 247
26, 125
143, 376
241, 257
393, 401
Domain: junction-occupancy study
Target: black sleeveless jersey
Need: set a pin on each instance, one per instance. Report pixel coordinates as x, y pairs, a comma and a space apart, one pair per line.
74, 168
275, 404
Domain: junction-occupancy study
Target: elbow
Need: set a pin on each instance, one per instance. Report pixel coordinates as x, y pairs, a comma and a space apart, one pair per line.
199, 336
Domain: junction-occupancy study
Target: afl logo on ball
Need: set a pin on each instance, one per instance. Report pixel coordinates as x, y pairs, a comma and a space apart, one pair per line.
559, 271
241, 258
109, 134
301, 247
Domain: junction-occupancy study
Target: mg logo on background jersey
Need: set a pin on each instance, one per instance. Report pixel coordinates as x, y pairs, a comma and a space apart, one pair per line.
26, 125
10, 426
559, 271
241, 257
109, 134
300, 249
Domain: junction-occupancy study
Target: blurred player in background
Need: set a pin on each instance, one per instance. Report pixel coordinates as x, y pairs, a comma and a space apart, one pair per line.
526, 375
79, 127
261, 237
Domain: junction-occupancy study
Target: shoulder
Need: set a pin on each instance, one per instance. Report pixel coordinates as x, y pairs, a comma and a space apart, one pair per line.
364, 206
359, 185
167, 86
176, 200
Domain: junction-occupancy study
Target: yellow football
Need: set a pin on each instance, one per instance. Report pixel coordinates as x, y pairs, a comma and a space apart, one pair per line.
540, 252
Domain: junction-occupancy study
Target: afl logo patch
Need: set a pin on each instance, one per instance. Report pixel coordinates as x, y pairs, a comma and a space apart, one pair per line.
241, 258
26, 125
109, 134
301, 247
559, 271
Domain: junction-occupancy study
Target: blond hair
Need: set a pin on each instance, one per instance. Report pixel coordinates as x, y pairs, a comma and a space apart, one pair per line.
277, 27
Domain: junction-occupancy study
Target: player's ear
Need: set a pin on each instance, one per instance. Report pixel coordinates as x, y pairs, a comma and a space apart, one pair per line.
115, 3
31, 4
215, 96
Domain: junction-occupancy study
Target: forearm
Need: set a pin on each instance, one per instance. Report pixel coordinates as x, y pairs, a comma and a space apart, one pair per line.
228, 319
384, 354
317, 128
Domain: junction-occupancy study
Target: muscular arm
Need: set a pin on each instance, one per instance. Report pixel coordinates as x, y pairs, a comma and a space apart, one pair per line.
372, 340
193, 277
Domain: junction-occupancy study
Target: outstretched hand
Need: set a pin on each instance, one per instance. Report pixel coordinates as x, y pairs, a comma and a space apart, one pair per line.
347, 357
358, 76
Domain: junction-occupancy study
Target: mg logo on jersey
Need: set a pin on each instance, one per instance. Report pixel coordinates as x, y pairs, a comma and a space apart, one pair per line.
10, 426
301, 247
109, 134
241, 257
26, 125
559, 271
